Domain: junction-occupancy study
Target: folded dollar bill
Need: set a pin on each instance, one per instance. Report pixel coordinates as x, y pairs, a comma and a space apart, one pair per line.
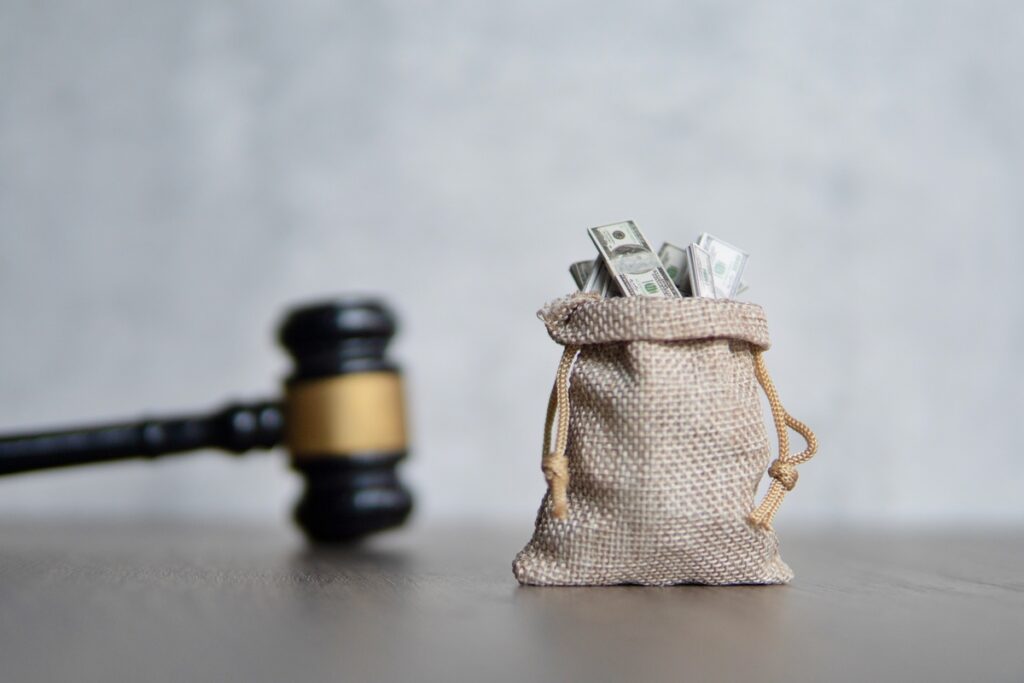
580, 272
677, 265
598, 279
702, 279
727, 264
630, 261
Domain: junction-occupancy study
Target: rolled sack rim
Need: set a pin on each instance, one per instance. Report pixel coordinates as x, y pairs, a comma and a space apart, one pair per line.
586, 318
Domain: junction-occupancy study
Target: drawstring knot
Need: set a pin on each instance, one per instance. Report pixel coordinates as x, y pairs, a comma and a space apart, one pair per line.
556, 473
785, 473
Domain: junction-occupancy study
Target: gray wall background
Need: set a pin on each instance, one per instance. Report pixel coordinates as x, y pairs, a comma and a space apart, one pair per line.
173, 174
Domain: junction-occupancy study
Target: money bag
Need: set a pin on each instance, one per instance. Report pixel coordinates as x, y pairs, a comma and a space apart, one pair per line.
659, 447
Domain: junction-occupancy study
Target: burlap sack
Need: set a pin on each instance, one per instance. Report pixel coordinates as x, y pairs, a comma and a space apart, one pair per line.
660, 447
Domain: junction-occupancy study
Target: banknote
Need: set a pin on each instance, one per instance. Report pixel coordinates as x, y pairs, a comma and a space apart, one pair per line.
580, 272
631, 262
702, 280
598, 279
727, 263
742, 288
677, 265
610, 288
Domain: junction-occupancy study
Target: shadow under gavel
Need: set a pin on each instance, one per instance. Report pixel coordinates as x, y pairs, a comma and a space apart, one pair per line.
342, 419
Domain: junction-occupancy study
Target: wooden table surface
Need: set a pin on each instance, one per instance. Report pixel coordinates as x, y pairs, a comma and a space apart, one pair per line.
157, 602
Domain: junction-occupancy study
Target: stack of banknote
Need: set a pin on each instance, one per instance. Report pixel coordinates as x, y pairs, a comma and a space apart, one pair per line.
627, 266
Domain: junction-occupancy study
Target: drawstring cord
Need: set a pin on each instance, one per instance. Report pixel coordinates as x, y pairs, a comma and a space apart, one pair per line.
554, 463
783, 470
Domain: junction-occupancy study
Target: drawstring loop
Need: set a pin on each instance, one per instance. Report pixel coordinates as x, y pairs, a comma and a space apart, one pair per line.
783, 470
555, 464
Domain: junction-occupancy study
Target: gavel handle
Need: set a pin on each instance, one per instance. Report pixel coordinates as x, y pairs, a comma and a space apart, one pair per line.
236, 428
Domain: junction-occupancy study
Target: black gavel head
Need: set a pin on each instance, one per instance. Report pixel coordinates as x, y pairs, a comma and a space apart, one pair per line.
345, 419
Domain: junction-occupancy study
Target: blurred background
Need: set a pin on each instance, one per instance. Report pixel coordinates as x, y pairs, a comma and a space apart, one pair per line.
173, 175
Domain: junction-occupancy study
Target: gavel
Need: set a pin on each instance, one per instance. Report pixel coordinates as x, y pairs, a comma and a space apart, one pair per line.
342, 419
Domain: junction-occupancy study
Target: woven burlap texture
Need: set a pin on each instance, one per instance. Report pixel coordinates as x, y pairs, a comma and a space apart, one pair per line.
666, 446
